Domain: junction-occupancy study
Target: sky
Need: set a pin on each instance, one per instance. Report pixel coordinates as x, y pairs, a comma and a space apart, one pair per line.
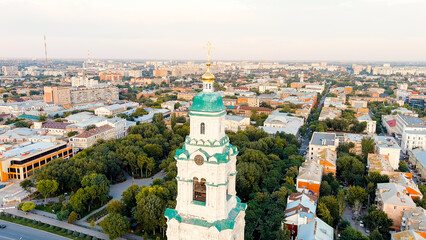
280, 30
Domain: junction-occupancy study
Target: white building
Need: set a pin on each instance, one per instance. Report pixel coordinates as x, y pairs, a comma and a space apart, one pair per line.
282, 122
320, 141
411, 131
371, 124
235, 123
388, 146
207, 206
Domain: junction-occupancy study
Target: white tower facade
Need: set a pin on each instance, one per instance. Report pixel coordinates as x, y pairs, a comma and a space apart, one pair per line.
207, 205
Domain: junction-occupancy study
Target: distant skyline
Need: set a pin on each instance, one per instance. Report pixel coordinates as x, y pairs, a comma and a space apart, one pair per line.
280, 30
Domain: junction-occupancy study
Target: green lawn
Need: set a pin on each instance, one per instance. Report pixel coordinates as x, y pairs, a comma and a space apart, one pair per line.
40, 226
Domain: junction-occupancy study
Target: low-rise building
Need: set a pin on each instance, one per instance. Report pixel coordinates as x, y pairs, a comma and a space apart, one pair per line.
20, 160
405, 180
329, 113
248, 101
300, 209
388, 146
320, 141
309, 178
389, 122
414, 219
317, 229
411, 131
282, 122
55, 128
417, 160
356, 139
409, 235
110, 110
327, 159
235, 123
371, 124
379, 163
90, 137
393, 199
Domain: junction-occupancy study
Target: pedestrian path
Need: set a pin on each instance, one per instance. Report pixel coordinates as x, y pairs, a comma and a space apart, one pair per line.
58, 223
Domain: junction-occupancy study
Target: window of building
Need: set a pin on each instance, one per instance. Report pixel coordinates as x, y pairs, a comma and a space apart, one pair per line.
203, 128
199, 190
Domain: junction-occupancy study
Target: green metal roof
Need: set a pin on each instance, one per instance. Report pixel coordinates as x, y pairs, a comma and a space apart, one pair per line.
207, 102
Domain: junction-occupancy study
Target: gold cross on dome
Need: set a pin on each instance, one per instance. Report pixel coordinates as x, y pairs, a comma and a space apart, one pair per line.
208, 47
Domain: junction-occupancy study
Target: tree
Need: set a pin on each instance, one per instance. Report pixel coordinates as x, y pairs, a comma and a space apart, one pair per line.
72, 134
149, 211
142, 160
333, 207
42, 117
27, 185
92, 223
47, 188
92, 126
403, 167
351, 233
377, 220
72, 217
356, 197
341, 201
115, 225
116, 206
367, 146
376, 235
129, 196
324, 214
28, 206
79, 200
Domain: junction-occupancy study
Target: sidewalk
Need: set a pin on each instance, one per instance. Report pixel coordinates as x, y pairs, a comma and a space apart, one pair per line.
58, 223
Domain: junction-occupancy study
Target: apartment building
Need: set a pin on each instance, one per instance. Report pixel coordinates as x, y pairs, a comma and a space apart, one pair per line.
371, 124
90, 137
20, 160
329, 113
414, 219
417, 159
316, 229
282, 122
405, 180
379, 163
356, 139
393, 199
248, 101
235, 123
321, 141
301, 208
62, 96
309, 178
388, 146
411, 131
327, 159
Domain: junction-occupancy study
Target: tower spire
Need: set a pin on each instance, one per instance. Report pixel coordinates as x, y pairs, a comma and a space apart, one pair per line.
208, 77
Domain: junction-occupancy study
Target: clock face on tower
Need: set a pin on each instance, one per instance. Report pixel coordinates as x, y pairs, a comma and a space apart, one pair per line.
199, 160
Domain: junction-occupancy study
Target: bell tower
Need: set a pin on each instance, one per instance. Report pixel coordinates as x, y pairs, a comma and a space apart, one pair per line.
207, 205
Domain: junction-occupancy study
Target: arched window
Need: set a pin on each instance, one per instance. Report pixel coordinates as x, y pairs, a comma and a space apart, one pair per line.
199, 190
203, 128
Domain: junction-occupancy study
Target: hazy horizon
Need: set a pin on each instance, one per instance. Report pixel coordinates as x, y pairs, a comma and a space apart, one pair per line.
270, 30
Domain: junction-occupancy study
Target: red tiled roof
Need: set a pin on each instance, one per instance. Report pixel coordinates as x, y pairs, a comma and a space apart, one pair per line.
391, 123
94, 131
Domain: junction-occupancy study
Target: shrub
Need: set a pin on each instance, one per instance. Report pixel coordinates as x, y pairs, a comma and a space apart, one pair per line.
7, 215
82, 235
52, 227
35, 222
75, 234
72, 217
40, 223
88, 237
69, 232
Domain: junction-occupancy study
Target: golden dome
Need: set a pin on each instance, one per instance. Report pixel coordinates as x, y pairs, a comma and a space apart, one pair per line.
208, 76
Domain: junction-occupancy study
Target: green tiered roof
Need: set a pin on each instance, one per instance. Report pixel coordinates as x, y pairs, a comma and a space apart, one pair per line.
207, 102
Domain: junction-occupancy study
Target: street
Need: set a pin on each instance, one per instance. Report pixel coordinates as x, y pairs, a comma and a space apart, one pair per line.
354, 223
305, 141
15, 231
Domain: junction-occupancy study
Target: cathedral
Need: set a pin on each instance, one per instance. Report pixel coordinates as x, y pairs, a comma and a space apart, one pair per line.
207, 205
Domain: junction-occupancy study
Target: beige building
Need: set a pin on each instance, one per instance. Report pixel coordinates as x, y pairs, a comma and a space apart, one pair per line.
235, 123
414, 219
82, 95
88, 138
393, 199
356, 139
379, 163
417, 160
321, 141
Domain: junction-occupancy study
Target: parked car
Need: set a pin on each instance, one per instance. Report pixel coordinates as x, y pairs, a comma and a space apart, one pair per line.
361, 224
367, 231
2, 226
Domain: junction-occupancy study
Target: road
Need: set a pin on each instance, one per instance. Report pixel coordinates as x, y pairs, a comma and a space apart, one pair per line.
305, 141
15, 231
354, 223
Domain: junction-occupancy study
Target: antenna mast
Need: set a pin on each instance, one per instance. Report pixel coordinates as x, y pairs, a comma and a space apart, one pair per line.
45, 52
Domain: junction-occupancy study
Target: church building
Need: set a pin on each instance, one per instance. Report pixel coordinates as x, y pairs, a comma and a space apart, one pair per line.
207, 205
